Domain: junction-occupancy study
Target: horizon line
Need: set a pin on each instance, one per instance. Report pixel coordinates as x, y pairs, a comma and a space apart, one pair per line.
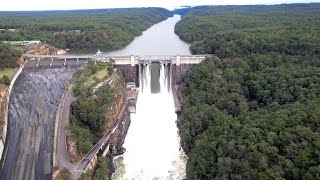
141, 7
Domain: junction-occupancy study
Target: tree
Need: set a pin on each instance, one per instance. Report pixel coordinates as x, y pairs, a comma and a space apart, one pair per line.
101, 172
5, 80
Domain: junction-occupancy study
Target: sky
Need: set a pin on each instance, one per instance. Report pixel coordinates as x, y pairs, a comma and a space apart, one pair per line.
12, 5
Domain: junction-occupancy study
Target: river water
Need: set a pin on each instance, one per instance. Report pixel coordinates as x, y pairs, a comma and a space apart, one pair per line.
152, 143
159, 39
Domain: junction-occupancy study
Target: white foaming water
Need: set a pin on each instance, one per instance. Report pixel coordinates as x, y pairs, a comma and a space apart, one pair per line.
152, 143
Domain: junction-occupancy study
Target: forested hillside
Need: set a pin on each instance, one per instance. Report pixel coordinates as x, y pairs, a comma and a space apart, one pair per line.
255, 114
87, 113
107, 28
231, 31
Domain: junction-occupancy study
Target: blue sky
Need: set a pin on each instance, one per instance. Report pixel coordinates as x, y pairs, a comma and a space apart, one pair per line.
10, 5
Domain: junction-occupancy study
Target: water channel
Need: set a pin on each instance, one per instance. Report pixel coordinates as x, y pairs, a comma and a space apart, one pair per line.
152, 143
160, 39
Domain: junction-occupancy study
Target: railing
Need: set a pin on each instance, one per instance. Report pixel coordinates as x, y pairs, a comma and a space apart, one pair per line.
124, 60
103, 141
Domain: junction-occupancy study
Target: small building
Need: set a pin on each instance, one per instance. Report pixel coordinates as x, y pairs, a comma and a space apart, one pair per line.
22, 43
132, 96
28, 43
130, 85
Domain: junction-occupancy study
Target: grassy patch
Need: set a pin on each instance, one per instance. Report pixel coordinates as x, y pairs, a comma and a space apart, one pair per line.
7, 72
97, 77
85, 79
101, 74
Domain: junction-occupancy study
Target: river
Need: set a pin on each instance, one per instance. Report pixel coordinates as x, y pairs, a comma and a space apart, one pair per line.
159, 39
152, 143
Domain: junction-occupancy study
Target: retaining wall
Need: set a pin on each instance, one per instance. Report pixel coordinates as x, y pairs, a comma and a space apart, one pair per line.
3, 139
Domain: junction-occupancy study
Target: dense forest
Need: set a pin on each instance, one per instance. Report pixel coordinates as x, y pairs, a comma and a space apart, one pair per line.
254, 113
232, 31
107, 28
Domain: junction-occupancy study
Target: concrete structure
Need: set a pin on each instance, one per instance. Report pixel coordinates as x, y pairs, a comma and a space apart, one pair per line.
23, 43
129, 65
132, 96
90, 160
124, 60
194, 59
3, 140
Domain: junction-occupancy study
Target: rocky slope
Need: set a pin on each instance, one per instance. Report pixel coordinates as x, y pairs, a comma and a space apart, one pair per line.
43, 49
118, 111
118, 101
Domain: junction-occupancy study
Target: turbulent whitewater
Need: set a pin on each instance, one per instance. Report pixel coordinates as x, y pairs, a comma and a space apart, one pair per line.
152, 143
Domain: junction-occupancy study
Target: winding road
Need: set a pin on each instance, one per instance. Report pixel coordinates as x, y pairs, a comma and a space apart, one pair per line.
62, 154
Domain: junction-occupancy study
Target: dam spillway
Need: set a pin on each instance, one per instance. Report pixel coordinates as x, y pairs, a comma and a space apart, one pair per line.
164, 141
32, 110
152, 143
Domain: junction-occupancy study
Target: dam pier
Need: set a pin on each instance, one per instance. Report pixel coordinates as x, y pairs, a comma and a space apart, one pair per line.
129, 65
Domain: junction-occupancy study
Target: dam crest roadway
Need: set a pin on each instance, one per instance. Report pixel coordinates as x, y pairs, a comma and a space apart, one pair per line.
117, 60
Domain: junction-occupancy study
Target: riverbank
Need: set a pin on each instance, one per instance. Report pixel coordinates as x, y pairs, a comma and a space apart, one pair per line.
117, 140
96, 28
167, 42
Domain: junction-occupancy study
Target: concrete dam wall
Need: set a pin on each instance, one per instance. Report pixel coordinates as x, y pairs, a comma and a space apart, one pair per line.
131, 73
180, 72
35, 96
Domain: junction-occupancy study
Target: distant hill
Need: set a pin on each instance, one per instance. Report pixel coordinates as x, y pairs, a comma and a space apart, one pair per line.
182, 10
106, 28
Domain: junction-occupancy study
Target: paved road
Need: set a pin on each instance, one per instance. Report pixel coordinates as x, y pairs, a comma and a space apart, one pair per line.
62, 156
55, 63
70, 56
